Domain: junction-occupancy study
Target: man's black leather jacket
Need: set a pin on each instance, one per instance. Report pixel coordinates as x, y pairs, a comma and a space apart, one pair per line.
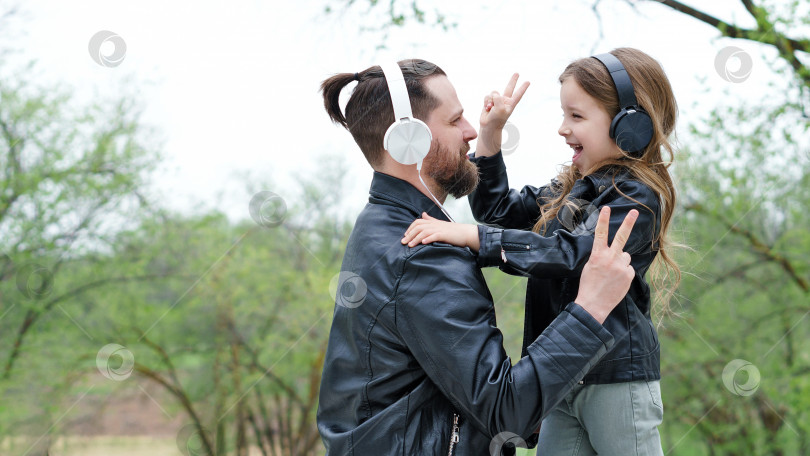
414, 341
554, 262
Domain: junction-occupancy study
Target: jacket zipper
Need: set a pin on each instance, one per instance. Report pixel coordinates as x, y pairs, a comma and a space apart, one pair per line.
454, 435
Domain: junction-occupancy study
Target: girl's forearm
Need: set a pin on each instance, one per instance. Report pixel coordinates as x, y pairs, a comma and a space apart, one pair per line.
489, 142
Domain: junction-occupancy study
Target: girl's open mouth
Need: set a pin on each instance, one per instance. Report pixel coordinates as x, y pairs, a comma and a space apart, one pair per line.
577, 151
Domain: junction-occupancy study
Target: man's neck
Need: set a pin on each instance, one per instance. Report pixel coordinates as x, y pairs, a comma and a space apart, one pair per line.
409, 174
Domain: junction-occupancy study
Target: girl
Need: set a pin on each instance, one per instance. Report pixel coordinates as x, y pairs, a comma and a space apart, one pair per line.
546, 234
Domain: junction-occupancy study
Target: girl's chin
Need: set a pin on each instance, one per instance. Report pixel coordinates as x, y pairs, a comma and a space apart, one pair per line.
575, 161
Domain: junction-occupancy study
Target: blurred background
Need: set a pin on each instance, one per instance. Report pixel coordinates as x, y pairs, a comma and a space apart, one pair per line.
174, 205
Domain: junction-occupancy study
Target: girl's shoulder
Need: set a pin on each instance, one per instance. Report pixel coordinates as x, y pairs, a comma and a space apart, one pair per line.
621, 184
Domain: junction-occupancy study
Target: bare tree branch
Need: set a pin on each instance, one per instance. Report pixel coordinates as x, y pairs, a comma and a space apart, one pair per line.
178, 392
749, 5
758, 246
765, 32
732, 31
33, 315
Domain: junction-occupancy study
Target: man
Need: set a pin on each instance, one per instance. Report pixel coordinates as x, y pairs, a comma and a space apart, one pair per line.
415, 363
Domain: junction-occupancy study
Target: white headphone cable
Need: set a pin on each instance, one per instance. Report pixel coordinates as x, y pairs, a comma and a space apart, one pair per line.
436, 200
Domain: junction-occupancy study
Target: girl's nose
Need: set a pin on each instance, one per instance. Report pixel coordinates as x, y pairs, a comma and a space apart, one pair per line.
564, 131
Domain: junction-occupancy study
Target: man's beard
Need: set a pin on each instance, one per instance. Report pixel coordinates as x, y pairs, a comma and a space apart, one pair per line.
453, 173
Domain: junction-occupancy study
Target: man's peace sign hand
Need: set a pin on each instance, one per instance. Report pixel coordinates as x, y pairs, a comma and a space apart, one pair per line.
607, 275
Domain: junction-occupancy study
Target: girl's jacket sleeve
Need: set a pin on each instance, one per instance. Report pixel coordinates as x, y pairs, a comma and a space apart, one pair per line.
495, 204
563, 252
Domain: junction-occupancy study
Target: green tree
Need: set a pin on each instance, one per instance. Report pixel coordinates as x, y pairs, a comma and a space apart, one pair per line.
744, 212
779, 25
70, 180
240, 350
72, 177
234, 332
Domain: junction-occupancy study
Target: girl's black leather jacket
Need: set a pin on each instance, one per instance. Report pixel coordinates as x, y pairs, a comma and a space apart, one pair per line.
553, 262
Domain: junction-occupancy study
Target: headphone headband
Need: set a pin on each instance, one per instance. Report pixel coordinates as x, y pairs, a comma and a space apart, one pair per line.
632, 127
621, 80
408, 139
398, 90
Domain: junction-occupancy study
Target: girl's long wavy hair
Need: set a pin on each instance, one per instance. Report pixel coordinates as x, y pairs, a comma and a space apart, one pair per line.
654, 93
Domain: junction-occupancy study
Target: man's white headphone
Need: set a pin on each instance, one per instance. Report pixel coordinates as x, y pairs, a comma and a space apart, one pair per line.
408, 138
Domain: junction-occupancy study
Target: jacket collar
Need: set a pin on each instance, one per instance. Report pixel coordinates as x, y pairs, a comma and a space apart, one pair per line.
598, 182
392, 191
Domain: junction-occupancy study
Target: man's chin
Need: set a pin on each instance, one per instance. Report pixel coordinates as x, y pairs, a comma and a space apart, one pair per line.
455, 175
463, 181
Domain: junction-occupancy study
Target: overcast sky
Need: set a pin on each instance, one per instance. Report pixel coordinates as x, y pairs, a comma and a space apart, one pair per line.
233, 86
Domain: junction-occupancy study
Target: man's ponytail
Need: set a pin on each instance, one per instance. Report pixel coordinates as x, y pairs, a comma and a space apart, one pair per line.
331, 96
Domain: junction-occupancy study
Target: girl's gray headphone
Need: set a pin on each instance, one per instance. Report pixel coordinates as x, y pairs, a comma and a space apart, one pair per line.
632, 127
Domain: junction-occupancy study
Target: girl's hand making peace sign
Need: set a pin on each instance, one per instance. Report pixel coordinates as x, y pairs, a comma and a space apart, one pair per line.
497, 109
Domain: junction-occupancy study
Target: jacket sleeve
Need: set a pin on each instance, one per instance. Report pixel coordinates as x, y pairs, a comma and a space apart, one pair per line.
445, 315
494, 203
564, 253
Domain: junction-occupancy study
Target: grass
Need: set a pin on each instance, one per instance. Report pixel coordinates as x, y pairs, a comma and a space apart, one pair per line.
106, 446
115, 446
126, 446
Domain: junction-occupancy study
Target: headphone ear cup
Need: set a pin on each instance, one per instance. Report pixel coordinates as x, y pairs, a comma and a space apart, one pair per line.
632, 129
408, 141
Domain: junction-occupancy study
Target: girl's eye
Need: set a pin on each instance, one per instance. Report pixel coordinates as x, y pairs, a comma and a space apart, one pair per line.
576, 116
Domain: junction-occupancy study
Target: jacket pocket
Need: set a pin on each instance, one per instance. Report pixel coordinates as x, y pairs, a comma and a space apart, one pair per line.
655, 393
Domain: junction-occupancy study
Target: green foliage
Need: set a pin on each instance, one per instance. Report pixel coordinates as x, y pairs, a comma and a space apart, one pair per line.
745, 207
72, 177
509, 294
396, 14
231, 319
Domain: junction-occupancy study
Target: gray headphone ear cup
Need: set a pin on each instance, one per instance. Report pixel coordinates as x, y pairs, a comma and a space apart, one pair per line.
632, 130
408, 141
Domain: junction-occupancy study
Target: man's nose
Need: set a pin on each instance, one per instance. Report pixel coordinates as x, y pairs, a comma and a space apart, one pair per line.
468, 131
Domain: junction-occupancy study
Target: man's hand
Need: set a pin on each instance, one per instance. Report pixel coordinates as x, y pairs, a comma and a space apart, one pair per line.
607, 275
497, 109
